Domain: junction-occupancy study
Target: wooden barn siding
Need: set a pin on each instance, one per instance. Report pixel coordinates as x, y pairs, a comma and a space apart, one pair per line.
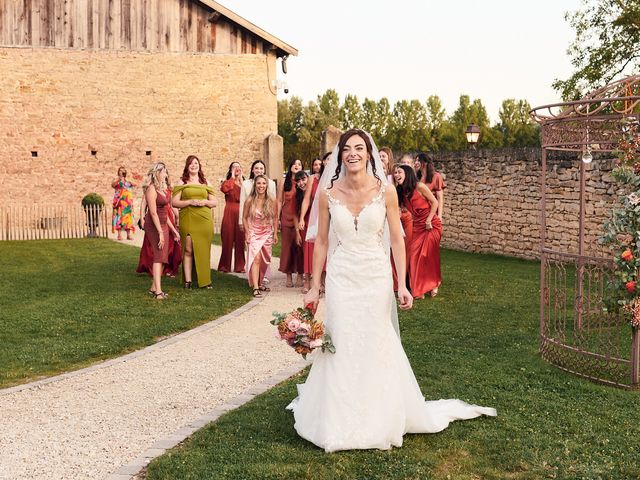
138, 25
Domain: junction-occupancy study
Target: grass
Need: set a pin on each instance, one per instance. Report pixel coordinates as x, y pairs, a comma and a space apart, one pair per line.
476, 341
65, 304
275, 250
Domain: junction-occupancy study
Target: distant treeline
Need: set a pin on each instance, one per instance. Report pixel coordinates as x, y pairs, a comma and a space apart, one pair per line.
407, 126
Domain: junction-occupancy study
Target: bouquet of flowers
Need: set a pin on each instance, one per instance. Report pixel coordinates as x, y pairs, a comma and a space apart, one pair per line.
302, 331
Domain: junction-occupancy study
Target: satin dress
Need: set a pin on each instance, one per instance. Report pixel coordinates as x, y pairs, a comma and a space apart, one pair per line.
197, 223
424, 249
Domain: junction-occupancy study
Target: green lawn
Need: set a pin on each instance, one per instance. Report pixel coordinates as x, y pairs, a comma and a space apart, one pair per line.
65, 304
476, 341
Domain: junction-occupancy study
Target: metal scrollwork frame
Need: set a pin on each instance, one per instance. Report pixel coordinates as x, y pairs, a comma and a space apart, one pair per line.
576, 333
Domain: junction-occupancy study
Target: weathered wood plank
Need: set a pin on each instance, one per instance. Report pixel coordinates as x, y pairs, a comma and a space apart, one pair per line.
125, 24
108, 25
88, 21
70, 22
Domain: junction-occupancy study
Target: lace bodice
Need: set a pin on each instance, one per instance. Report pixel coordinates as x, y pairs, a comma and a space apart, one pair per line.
362, 231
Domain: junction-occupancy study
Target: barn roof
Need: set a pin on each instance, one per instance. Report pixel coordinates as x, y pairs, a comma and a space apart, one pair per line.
281, 47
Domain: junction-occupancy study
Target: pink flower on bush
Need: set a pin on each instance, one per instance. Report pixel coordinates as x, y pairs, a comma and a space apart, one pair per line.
631, 286
627, 255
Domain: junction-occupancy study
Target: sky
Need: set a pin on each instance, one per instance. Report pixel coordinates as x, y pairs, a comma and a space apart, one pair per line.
411, 49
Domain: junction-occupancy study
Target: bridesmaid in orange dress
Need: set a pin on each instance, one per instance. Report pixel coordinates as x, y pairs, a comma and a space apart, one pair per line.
230, 233
424, 249
291, 256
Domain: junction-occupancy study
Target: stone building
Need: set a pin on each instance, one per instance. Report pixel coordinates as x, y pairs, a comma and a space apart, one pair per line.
88, 85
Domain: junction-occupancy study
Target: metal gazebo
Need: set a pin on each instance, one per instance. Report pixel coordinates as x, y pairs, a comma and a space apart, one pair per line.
576, 333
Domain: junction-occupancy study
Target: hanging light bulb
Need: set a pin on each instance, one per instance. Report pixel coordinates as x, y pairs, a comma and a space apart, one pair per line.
586, 155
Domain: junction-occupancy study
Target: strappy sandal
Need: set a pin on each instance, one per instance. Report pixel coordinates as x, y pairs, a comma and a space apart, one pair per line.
257, 293
264, 288
151, 292
160, 295
188, 285
433, 292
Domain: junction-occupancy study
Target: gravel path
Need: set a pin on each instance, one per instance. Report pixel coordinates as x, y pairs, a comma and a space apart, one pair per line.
88, 424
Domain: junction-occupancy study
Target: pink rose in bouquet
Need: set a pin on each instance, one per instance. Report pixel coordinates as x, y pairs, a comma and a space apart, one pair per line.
302, 331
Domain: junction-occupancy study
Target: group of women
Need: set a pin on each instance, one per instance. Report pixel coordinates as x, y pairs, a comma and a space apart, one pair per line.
178, 223
256, 210
170, 238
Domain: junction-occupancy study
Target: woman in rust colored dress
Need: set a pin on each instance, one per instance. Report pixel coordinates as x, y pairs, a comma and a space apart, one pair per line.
291, 256
424, 249
317, 169
231, 234
156, 191
426, 173
303, 183
145, 262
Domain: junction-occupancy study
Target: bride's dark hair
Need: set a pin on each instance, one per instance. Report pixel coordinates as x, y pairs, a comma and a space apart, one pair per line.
407, 187
343, 141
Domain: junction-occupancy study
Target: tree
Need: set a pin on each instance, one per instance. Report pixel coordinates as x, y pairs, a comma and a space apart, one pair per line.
436, 120
350, 113
467, 113
408, 130
516, 126
329, 108
607, 44
289, 119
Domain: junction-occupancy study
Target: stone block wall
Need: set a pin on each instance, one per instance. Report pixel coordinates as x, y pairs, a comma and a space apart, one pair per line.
492, 201
129, 108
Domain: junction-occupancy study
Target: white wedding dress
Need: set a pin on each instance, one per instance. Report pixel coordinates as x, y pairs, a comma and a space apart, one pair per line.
365, 395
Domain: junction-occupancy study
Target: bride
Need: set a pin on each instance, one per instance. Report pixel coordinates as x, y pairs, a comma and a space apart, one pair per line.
365, 395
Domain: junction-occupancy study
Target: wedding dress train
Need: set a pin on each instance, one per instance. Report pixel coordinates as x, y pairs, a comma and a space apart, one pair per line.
365, 395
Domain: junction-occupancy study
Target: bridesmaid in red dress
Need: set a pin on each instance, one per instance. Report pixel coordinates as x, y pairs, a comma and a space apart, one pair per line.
230, 231
317, 169
424, 249
291, 256
145, 262
156, 191
426, 173
304, 183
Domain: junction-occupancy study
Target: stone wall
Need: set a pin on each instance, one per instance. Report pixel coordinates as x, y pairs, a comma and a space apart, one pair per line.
129, 109
492, 201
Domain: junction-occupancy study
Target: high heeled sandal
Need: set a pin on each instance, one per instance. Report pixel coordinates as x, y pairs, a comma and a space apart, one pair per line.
257, 293
188, 285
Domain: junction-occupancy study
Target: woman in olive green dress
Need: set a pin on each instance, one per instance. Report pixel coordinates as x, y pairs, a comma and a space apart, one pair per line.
194, 197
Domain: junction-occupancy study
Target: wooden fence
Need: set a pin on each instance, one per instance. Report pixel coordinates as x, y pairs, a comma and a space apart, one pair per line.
35, 222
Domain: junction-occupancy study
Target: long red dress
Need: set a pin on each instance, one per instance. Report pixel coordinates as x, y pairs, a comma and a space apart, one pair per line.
145, 262
308, 246
230, 232
160, 255
291, 257
424, 249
